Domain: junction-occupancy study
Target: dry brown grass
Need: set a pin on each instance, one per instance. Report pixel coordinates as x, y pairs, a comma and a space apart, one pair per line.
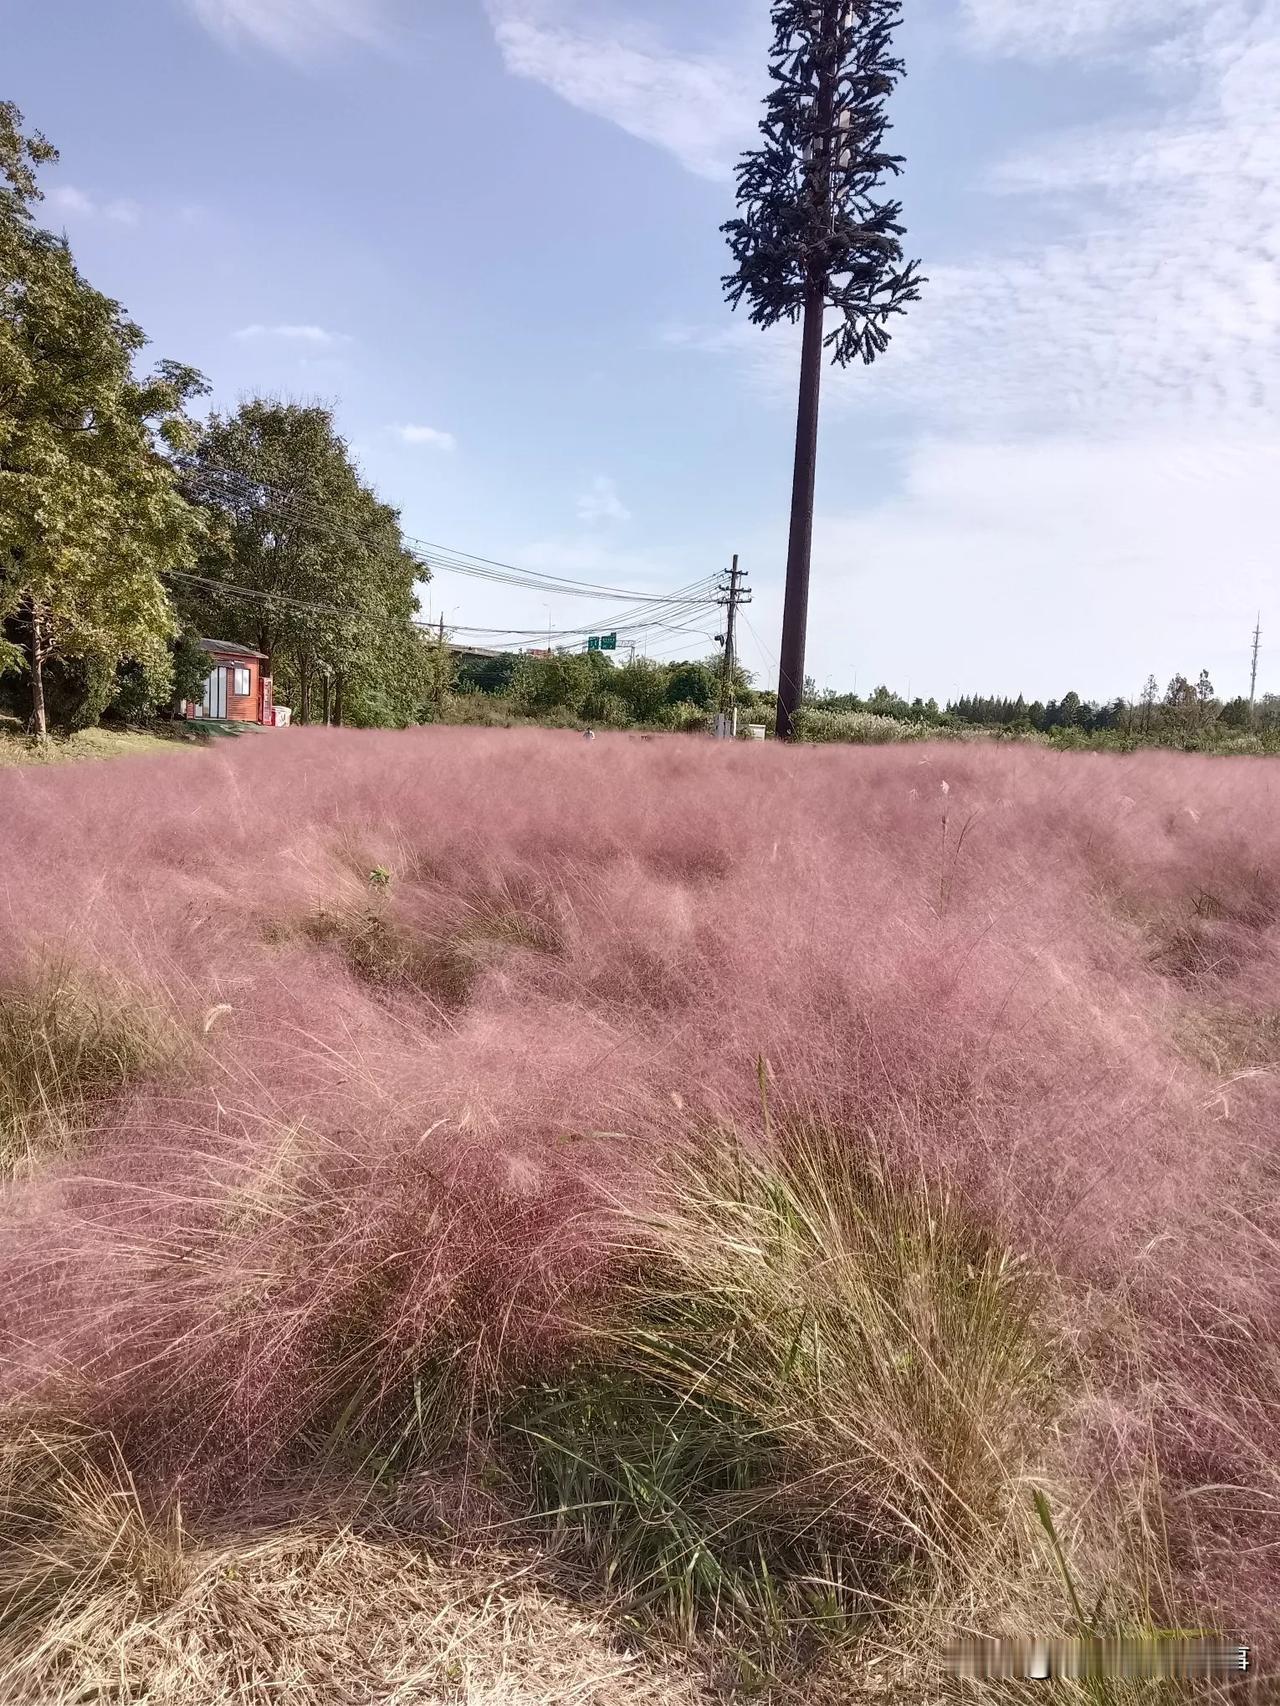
100, 1601
1229, 1041
391, 953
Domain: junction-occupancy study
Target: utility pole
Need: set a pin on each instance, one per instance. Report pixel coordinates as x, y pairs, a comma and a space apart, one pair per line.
731, 596
1253, 676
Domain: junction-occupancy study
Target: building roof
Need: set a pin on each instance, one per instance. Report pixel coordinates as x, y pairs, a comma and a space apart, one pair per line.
231, 648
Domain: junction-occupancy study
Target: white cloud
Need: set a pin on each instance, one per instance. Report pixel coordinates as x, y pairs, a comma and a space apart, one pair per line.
1052, 29
700, 107
427, 435
68, 199
602, 503
301, 30
315, 336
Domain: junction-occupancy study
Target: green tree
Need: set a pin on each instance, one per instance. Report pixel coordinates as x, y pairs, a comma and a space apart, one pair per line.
1070, 711
560, 682
440, 677
312, 566
90, 514
694, 684
1235, 714
1180, 704
486, 675
642, 687
1150, 693
135, 695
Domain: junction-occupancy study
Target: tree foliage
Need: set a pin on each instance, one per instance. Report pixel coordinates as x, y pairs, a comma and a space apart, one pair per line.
813, 219
561, 681
305, 563
90, 514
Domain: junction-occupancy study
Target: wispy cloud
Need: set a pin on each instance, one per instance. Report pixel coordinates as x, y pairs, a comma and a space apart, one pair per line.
317, 337
602, 503
698, 106
77, 202
430, 436
1157, 308
301, 30
1053, 29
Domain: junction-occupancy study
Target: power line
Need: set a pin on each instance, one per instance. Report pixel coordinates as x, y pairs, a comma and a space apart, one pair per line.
770, 668
433, 555
645, 612
515, 636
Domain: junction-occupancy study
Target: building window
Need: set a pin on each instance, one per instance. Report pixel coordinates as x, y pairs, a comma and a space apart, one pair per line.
242, 681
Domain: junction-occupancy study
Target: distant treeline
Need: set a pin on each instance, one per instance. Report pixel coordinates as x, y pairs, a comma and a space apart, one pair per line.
1182, 708
580, 687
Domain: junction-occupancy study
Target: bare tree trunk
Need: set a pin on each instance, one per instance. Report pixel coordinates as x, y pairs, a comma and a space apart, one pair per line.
328, 684
337, 702
38, 649
304, 692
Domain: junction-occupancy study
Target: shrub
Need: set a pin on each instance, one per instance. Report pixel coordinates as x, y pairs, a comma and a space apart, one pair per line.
78, 691
606, 709
857, 728
685, 718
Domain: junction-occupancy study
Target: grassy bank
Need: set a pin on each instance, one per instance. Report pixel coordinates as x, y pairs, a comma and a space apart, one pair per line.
17, 747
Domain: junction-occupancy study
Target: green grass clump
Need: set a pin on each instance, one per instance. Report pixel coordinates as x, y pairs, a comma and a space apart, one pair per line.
65, 1045
822, 1399
388, 952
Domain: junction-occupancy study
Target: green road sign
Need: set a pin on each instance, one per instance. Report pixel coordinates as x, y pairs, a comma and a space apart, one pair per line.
593, 644
608, 642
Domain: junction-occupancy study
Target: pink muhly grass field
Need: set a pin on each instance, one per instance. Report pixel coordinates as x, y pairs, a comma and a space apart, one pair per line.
450, 994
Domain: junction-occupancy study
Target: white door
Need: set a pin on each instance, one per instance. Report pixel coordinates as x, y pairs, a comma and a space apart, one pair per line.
214, 702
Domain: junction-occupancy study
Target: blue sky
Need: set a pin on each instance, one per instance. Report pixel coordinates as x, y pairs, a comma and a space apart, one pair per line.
487, 231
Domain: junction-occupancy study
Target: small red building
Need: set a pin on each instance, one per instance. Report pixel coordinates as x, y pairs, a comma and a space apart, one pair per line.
237, 688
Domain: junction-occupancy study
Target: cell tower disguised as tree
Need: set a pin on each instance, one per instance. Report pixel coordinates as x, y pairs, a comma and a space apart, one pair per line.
814, 231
